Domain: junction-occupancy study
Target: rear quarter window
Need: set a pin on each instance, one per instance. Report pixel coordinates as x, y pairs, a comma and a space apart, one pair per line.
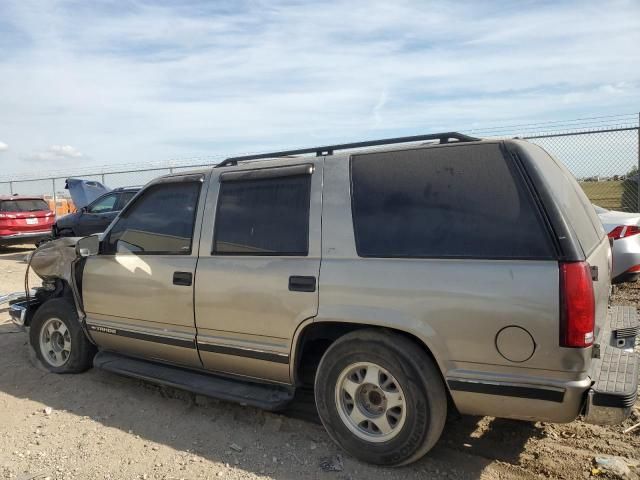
444, 202
572, 200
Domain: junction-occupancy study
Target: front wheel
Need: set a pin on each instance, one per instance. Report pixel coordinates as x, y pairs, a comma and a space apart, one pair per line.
380, 397
58, 339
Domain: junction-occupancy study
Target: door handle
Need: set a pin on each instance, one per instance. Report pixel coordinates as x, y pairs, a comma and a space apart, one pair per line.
182, 278
302, 284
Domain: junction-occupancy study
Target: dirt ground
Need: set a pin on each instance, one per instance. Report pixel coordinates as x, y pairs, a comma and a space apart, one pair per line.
101, 426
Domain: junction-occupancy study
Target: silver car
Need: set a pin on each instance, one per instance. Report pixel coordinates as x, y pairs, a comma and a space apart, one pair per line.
624, 229
397, 282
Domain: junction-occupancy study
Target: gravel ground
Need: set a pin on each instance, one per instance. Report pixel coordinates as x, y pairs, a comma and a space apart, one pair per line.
102, 426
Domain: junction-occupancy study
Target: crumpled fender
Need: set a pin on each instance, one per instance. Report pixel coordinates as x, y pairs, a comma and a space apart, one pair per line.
55, 259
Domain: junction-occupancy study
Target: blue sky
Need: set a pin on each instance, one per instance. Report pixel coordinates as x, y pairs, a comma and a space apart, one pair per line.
127, 82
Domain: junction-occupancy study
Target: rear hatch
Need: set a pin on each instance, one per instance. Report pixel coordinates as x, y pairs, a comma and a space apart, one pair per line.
24, 215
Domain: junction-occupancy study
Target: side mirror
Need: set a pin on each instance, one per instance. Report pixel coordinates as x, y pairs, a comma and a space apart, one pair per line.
88, 246
84, 209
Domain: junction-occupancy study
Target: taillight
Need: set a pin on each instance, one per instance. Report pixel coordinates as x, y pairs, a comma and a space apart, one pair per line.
623, 231
578, 307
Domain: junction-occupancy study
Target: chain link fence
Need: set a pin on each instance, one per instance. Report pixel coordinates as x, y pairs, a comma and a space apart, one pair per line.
604, 160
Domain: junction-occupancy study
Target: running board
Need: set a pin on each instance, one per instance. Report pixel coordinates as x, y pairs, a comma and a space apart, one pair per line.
264, 396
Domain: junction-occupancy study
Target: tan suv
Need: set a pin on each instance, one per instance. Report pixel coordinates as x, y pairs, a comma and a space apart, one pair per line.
428, 273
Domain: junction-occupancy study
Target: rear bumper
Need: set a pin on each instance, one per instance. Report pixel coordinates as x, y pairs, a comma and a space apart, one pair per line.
24, 237
615, 370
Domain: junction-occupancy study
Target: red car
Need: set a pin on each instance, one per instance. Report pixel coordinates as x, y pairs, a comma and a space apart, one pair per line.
24, 219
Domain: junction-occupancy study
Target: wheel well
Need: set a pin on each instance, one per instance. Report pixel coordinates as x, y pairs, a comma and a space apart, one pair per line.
317, 338
57, 288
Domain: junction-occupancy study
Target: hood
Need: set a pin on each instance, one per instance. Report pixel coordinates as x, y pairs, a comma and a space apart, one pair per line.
83, 192
53, 259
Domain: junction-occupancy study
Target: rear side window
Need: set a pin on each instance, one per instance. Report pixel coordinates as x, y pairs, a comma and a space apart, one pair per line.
573, 201
462, 201
26, 205
161, 221
125, 197
267, 216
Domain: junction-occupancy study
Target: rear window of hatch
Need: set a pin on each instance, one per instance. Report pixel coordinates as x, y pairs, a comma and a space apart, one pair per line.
462, 201
23, 205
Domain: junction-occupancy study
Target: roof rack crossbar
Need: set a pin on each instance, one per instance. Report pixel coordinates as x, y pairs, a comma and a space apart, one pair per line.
330, 149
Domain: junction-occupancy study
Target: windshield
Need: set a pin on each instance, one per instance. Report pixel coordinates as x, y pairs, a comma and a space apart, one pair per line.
23, 205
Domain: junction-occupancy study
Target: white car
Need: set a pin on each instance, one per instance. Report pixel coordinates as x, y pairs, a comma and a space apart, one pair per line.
624, 229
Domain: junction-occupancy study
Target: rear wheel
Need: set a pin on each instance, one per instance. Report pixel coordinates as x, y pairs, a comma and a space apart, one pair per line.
58, 339
380, 397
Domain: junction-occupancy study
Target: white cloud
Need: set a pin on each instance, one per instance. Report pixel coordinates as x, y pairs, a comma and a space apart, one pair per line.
56, 153
3, 147
149, 81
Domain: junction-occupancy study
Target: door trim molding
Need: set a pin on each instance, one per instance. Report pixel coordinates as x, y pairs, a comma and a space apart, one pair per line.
174, 341
244, 352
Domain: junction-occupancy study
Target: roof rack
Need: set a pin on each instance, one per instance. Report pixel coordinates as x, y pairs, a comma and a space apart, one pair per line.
329, 149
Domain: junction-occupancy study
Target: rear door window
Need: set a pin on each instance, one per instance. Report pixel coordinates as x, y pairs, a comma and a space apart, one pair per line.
161, 221
24, 205
267, 216
125, 197
444, 202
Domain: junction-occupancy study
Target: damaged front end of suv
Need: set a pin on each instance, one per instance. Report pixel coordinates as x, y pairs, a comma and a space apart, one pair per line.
59, 264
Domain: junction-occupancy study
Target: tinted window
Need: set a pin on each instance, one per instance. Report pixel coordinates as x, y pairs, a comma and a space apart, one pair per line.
264, 216
160, 221
461, 201
26, 205
125, 197
104, 204
573, 201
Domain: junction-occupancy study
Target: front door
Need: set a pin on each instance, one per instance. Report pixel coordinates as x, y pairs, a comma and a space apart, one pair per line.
138, 292
258, 271
97, 216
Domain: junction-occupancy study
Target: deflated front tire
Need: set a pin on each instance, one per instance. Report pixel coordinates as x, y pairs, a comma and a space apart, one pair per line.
58, 339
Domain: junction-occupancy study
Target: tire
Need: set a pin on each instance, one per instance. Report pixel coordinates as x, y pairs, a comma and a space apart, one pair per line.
409, 394
69, 349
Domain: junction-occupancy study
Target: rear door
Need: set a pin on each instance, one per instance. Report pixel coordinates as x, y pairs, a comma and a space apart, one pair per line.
138, 292
258, 268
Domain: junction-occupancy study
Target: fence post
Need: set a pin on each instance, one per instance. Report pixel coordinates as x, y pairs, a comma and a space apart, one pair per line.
638, 173
11, 187
55, 200
102, 176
